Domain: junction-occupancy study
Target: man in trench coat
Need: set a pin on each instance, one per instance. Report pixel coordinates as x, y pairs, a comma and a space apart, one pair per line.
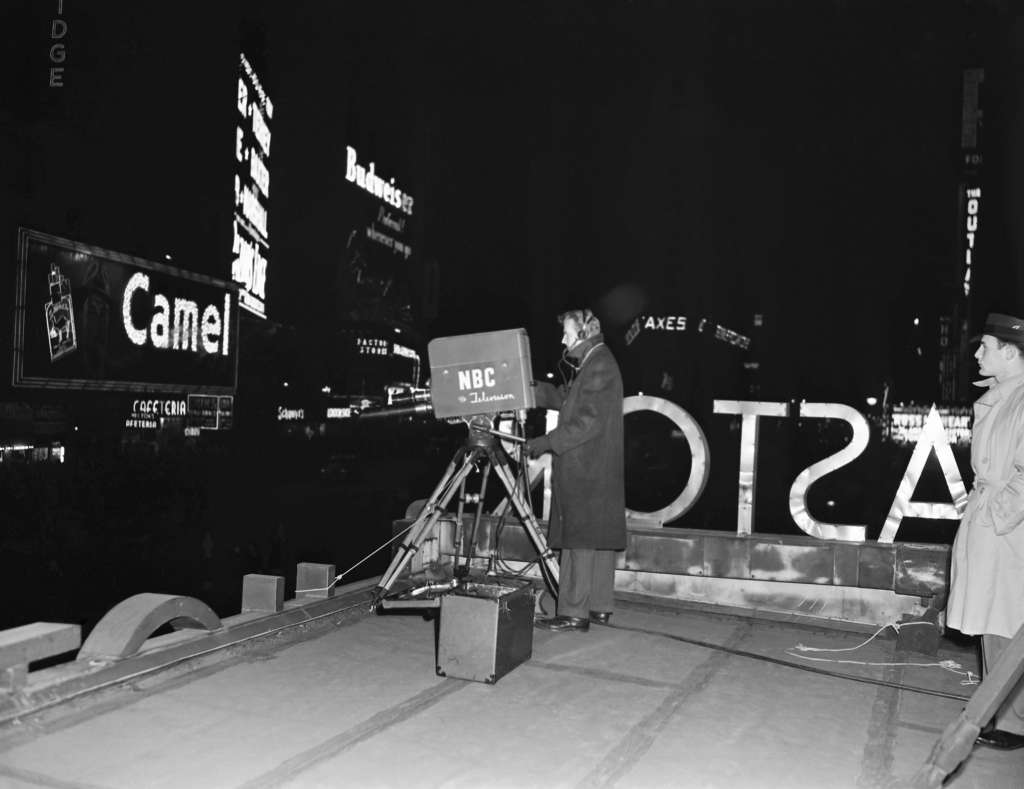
986, 595
588, 507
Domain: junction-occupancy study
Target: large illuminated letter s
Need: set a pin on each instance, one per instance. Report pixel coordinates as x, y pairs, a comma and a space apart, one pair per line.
811, 474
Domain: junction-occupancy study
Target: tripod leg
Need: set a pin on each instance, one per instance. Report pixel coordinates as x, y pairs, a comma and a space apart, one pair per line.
957, 740
470, 545
548, 563
428, 517
537, 474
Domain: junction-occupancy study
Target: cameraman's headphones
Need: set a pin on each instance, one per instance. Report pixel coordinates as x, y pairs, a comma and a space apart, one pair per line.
590, 325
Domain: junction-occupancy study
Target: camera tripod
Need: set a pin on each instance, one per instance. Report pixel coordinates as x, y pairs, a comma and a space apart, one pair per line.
482, 446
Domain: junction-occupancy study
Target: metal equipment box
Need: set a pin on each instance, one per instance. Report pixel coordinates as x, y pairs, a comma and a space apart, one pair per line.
486, 630
481, 373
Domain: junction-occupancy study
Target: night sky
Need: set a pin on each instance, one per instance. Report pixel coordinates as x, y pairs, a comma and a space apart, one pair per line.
797, 159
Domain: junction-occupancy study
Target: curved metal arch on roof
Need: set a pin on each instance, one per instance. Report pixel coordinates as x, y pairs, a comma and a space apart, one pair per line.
126, 626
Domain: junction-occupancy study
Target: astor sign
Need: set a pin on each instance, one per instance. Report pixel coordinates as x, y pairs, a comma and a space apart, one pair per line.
933, 437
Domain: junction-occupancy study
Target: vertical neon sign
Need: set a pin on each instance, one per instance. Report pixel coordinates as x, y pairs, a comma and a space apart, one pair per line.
973, 206
250, 246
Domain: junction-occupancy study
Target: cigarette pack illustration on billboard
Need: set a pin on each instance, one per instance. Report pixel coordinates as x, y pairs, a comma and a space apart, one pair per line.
60, 316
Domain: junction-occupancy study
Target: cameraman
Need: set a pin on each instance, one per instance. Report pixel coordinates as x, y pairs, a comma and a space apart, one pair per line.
588, 508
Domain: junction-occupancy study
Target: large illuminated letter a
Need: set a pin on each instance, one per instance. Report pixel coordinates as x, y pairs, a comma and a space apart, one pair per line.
932, 436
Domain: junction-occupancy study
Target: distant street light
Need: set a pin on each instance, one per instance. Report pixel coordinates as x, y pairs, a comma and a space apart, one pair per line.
872, 401
917, 321
551, 375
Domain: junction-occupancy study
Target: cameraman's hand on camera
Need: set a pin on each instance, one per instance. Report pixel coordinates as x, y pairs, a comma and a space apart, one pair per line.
546, 395
535, 447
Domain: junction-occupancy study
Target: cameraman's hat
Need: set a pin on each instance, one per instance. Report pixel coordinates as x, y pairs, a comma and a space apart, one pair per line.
1002, 327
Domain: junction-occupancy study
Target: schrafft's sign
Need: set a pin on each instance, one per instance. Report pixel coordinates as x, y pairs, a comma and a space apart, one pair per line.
90, 318
932, 437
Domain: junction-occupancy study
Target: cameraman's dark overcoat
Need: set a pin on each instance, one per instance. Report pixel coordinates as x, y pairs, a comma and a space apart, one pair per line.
588, 504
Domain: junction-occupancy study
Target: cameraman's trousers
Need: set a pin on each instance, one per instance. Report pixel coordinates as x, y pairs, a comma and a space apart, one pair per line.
586, 581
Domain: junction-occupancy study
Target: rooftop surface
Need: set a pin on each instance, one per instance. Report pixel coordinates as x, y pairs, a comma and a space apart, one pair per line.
663, 697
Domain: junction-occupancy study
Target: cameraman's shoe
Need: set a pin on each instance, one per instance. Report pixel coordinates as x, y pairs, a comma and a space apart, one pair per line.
563, 624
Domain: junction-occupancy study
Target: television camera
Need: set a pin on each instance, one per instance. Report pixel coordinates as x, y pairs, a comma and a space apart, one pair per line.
475, 378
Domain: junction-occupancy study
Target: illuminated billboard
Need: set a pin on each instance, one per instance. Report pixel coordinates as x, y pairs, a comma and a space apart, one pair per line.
908, 422
250, 246
90, 318
367, 360
373, 281
679, 323
207, 412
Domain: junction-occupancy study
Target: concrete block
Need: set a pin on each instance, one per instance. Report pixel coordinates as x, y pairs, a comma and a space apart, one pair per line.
262, 593
36, 641
13, 679
314, 580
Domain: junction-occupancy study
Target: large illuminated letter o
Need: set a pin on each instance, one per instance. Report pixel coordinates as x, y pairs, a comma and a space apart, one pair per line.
700, 465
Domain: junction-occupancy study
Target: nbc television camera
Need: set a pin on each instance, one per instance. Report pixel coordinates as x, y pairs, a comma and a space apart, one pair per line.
474, 378
471, 375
